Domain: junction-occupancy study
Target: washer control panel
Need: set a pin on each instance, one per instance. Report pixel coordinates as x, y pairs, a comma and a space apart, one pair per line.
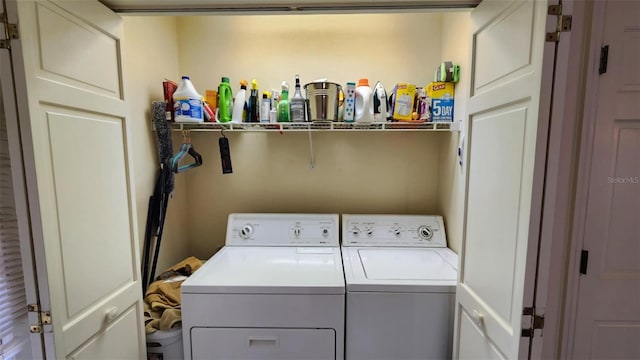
393, 230
283, 230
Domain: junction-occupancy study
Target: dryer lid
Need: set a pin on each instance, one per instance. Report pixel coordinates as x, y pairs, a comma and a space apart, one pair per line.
269, 270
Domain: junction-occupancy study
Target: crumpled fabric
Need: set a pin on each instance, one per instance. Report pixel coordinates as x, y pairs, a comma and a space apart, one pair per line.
162, 303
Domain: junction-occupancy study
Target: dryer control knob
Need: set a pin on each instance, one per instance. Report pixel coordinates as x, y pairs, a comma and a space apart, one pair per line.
355, 231
369, 232
246, 231
425, 232
325, 232
397, 232
296, 232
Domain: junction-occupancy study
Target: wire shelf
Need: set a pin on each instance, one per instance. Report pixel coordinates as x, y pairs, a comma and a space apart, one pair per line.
318, 126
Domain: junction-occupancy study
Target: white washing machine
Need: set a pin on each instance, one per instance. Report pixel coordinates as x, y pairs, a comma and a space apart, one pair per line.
274, 291
401, 283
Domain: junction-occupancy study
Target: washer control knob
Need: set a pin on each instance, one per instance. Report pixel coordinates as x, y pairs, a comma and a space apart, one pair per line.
369, 232
425, 232
355, 231
325, 232
246, 231
296, 232
397, 232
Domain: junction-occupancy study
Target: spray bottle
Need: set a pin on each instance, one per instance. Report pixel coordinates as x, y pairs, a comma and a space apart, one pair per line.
284, 114
297, 104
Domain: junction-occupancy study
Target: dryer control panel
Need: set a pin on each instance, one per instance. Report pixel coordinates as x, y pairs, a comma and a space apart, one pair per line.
283, 230
393, 230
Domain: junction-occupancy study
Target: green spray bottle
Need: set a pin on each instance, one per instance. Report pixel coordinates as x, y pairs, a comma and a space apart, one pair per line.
284, 113
225, 101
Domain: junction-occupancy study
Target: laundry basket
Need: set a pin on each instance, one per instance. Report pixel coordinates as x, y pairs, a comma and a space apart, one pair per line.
165, 345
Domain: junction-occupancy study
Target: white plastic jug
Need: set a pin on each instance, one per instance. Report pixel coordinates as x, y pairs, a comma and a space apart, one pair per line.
240, 104
187, 105
364, 102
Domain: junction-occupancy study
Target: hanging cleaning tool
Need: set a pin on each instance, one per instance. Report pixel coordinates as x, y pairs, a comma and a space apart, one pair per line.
163, 190
284, 114
187, 104
240, 104
225, 101
159, 200
253, 106
297, 103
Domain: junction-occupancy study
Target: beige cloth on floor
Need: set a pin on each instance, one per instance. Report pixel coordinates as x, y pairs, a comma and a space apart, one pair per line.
162, 301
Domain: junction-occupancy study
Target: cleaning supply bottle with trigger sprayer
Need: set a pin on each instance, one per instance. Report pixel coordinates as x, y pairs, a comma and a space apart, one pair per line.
297, 103
284, 114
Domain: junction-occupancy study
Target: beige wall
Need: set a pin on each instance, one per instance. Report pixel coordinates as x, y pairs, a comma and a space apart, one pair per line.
150, 56
390, 48
456, 42
355, 172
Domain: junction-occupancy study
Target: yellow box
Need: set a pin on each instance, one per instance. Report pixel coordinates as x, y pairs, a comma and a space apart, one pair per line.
211, 97
403, 102
440, 95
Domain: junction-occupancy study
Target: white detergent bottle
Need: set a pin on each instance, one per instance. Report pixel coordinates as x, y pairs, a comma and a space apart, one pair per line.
187, 104
364, 102
240, 103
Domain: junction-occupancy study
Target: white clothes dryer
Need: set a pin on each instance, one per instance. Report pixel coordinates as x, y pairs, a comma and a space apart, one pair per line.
274, 291
401, 281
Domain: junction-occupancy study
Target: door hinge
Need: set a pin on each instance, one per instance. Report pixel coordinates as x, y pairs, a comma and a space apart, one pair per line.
563, 23
537, 322
604, 59
10, 32
44, 318
584, 261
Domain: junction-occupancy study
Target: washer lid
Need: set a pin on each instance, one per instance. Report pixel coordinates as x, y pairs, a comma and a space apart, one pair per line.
270, 270
400, 269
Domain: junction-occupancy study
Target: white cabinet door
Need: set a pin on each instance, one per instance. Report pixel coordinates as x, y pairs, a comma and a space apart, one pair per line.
607, 315
74, 131
501, 208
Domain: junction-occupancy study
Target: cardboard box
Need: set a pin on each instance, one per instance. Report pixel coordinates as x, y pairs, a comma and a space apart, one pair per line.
441, 96
403, 102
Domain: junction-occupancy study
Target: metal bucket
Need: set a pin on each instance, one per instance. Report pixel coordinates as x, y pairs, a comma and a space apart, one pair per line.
322, 100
